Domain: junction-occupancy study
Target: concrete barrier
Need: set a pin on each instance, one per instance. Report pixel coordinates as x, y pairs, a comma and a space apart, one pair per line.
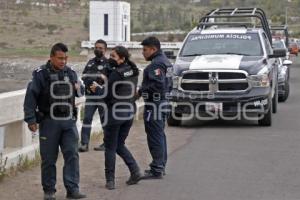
132, 45
15, 138
11, 107
1, 139
14, 135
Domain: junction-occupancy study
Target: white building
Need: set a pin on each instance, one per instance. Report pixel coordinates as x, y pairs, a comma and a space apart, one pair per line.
110, 21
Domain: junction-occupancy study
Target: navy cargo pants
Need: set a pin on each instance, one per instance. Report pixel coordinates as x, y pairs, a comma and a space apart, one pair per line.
114, 141
55, 134
89, 111
155, 115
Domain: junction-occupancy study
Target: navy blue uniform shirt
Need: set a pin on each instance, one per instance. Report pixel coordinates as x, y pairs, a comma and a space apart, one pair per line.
37, 91
92, 70
157, 78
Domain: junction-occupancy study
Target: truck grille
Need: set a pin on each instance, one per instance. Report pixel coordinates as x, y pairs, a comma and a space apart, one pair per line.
213, 81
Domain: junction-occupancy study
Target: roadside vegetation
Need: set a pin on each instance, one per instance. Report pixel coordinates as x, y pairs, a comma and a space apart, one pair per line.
30, 28
24, 163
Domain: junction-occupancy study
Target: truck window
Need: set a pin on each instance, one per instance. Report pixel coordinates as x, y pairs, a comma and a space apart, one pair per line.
267, 44
229, 43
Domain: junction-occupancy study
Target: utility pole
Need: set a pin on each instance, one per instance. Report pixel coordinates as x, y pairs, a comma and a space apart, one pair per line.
286, 17
48, 7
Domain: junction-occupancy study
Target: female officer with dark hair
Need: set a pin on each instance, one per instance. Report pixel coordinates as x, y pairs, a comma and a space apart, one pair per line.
120, 101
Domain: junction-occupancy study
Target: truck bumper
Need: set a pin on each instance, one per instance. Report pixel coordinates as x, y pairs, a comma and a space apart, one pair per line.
255, 102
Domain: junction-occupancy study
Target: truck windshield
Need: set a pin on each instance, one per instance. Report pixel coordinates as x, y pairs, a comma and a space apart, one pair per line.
278, 44
208, 44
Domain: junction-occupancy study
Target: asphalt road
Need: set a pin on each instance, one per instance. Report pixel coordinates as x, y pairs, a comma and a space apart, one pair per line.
234, 160
216, 160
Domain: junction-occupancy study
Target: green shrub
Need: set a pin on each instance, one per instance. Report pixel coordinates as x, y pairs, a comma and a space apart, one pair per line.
39, 25
3, 45
2, 167
30, 41
52, 28
86, 22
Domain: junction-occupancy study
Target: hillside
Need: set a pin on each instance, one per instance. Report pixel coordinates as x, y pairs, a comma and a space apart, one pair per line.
29, 28
32, 30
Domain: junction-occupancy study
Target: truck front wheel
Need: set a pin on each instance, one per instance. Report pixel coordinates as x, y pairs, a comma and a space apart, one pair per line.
275, 100
284, 97
267, 118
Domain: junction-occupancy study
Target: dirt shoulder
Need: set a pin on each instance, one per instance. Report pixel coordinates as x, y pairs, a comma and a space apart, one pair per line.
26, 186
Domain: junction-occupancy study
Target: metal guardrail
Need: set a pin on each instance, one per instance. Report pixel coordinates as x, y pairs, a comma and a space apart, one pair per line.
159, 33
132, 45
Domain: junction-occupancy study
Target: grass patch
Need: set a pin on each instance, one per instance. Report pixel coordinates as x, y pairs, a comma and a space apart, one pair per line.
23, 52
2, 167
24, 163
32, 52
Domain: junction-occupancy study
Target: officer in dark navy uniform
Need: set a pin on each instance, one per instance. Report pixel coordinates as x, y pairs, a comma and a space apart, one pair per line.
93, 69
120, 100
50, 102
156, 85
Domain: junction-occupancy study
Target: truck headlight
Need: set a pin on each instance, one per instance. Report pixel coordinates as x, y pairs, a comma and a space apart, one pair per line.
175, 82
261, 80
281, 77
282, 74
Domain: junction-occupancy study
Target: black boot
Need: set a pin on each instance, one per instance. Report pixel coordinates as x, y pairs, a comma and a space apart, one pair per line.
83, 148
149, 174
49, 196
134, 178
75, 195
149, 170
110, 185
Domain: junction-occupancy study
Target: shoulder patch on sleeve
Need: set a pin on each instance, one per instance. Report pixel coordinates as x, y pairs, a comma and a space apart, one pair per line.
39, 69
157, 72
71, 68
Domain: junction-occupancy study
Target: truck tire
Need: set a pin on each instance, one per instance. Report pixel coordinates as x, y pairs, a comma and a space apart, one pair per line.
172, 121
267, 118
275, 100
284, 97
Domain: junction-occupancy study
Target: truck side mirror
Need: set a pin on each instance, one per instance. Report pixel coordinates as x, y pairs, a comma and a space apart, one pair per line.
277, 53
170, 54
287, 62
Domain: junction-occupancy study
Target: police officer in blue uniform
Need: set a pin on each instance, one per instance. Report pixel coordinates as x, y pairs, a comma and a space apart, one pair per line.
120, 100
93, 69
50, 102
156, 85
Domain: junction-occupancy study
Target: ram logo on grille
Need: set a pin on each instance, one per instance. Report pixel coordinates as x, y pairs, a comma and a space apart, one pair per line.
213, 80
